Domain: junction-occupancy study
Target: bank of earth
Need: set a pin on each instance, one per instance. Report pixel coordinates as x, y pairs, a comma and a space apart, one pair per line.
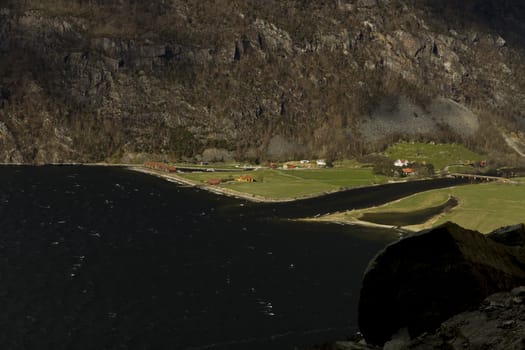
483, 207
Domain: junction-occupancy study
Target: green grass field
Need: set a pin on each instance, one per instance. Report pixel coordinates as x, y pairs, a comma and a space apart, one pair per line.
439, 155
485, 207
285, 184
482, 207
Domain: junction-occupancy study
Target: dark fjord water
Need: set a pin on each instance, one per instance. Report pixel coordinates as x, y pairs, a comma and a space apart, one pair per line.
103, 258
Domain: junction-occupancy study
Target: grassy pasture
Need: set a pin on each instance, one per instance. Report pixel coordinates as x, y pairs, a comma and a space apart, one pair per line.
440, 155
481, 207
284, 184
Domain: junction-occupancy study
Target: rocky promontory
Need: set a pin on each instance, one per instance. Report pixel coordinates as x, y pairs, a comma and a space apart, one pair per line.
445, 288
497, 324
419, 282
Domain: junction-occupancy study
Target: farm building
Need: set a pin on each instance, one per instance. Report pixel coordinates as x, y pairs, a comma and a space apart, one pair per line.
401, 162
245, 178
408, 171
214, 182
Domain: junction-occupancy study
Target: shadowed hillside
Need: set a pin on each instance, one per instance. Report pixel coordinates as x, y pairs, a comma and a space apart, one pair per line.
128, 81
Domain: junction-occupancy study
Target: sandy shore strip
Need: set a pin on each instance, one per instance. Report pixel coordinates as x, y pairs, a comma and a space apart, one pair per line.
357, 222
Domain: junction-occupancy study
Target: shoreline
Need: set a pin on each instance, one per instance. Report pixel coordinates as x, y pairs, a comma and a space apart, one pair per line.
428, 224
172, 177
357, 222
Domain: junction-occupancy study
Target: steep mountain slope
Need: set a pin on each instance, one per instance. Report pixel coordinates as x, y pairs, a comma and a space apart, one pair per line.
124, 80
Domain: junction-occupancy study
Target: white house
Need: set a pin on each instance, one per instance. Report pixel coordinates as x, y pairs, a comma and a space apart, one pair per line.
401, 162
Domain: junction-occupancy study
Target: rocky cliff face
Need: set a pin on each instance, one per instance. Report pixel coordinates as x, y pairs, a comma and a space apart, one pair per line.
125, 81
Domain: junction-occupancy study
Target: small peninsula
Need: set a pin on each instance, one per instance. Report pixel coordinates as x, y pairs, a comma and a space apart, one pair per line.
497, 192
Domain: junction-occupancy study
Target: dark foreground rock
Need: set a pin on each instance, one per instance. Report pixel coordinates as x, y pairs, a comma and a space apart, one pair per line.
498, 324
509, 235
421, 281
343, 345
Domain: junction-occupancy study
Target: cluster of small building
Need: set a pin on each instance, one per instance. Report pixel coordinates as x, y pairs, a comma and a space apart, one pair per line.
302, 164
406, 170
160, 166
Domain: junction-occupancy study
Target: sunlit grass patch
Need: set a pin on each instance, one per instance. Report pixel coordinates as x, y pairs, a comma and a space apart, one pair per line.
439, 155
481, 207
281, 184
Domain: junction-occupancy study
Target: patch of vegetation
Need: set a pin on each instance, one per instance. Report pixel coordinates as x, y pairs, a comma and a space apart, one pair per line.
396, 218
439, 155
281, 184
385, 166
486, 207
481, 207
183, 142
